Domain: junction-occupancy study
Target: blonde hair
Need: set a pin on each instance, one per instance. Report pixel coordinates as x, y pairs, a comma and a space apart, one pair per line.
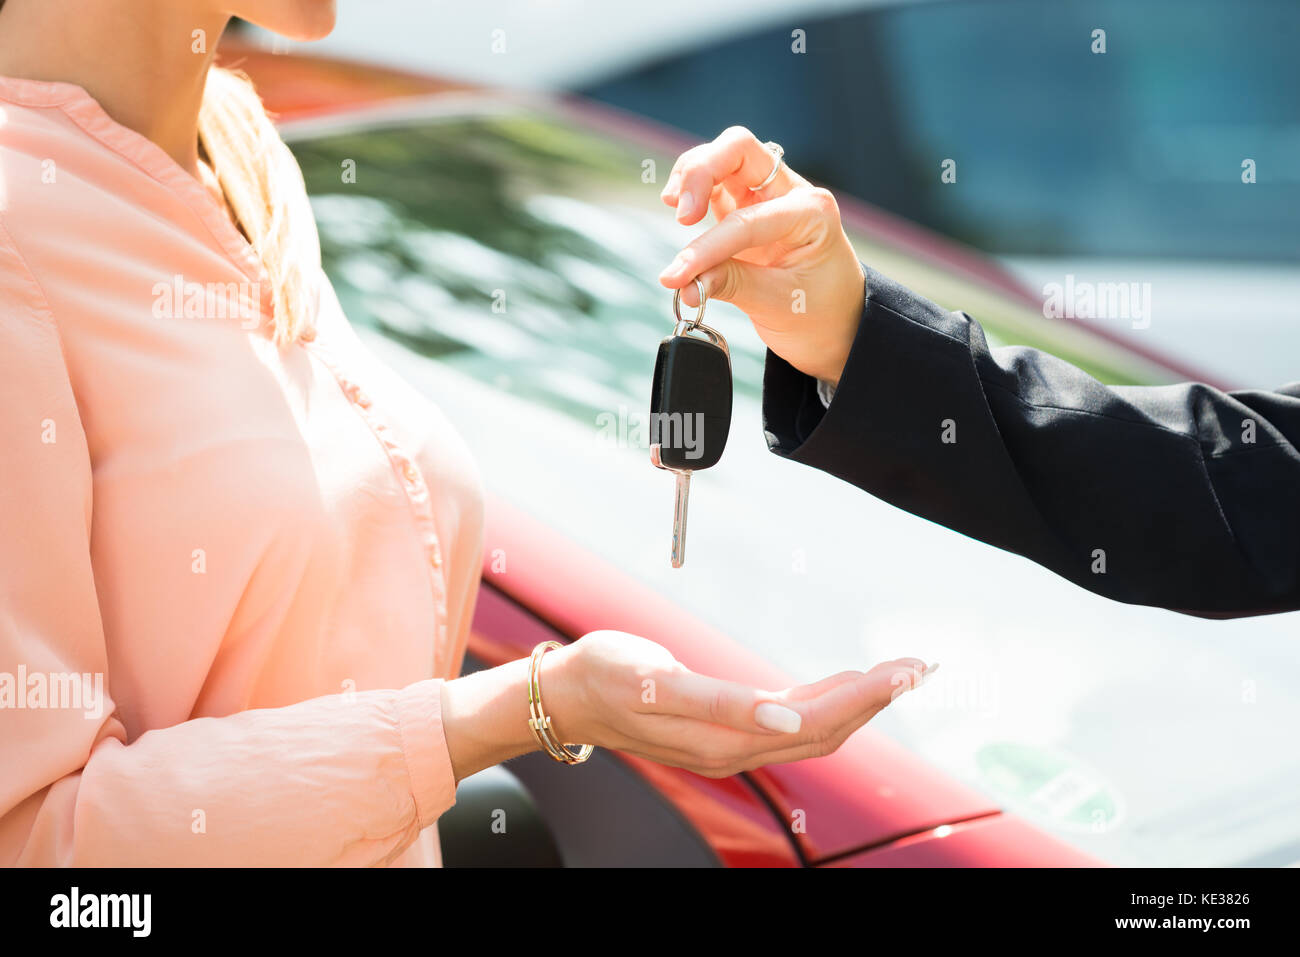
264, 187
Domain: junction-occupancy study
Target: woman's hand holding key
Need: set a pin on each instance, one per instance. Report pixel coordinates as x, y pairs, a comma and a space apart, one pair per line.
779, 253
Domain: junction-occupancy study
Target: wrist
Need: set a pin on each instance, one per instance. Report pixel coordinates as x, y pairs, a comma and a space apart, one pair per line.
829, 341
844, 329
832, 352
485, 715
485, 718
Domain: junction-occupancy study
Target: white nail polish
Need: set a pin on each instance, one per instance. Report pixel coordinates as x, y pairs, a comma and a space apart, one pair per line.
776, 717
685, 203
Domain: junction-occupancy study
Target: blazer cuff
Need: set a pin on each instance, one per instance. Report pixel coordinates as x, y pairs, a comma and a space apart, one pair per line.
792, 408
898, 334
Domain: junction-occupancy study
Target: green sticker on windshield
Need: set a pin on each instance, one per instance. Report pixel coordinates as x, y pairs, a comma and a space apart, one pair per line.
1050, 785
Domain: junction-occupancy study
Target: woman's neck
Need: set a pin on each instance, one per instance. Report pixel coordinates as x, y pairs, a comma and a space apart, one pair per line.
144, 61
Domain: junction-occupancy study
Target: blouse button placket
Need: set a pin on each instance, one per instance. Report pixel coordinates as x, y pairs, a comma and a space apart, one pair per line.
417, 491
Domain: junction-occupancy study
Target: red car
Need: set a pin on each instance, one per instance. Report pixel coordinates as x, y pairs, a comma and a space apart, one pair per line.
437, 201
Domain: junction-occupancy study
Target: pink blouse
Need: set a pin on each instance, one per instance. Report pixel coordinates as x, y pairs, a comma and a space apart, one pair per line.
232, 576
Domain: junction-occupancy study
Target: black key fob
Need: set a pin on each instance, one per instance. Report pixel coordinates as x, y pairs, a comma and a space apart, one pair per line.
690, 400
690, 407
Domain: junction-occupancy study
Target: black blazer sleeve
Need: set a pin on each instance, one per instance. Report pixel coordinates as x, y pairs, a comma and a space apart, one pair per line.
1182, 496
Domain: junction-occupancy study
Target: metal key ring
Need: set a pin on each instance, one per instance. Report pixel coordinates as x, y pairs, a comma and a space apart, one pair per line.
778, 157
699, 311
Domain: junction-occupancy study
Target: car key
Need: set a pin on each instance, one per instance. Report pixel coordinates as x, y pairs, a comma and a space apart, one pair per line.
690, 407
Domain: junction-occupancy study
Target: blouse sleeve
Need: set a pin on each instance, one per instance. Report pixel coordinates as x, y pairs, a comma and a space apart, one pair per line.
343, 779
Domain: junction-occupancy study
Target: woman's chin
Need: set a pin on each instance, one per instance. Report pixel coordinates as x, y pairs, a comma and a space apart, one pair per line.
311, 20
317, 30
307, 36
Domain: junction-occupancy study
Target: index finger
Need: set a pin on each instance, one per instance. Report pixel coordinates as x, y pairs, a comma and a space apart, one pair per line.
737, 159
789, 219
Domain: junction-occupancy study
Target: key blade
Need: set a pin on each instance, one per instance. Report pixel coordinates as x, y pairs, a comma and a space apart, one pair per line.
680, 501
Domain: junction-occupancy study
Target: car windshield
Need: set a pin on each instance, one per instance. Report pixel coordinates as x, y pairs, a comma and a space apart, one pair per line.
504, 261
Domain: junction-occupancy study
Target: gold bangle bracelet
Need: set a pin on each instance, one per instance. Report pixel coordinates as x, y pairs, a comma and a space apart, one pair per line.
540, 722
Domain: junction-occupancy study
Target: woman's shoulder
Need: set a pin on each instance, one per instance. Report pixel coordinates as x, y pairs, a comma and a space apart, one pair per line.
33, 210
21, 297
29, 151
30, 342
36, 125
68, 169
42, 168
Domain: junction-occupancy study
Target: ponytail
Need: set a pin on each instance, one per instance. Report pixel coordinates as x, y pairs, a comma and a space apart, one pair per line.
265, 189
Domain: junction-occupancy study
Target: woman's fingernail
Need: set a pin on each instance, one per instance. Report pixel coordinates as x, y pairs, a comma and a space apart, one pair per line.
777, 717
685, 205
926, 674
